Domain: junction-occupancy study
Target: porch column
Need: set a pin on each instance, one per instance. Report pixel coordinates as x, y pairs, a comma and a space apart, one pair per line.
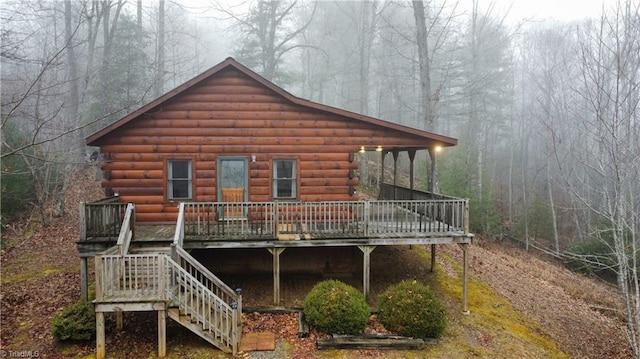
395, 167
276, 273
84, 282
162, 333
465, 279
412, 157
366, 268
381, 174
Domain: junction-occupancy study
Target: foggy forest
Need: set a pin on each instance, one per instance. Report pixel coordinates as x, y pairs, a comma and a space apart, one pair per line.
546, 113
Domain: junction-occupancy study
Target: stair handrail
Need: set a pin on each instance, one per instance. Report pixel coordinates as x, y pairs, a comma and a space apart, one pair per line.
127, 230
169, 281
178, 237
210, 280
210, 312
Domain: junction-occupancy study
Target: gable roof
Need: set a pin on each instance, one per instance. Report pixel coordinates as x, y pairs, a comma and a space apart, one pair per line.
230, 62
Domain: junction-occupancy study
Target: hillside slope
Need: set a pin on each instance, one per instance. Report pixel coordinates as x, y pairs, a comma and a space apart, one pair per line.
521, 305
583, 315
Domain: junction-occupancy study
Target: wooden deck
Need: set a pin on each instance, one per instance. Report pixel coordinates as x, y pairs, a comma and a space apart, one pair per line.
201, 225
148, 267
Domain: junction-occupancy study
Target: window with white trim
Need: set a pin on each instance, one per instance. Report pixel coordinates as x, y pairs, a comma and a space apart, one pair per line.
180, 183
284, 179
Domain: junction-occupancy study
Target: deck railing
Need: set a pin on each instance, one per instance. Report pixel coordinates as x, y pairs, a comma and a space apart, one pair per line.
322, 220
101, 219
452, 211
139, 277
158, 277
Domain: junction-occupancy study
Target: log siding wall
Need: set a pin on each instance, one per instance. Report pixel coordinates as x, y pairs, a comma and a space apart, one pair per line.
231, 114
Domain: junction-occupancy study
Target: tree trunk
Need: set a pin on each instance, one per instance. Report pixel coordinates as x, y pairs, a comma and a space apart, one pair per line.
160, 51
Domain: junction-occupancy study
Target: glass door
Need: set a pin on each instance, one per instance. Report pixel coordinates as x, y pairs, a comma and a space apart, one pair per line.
232, 184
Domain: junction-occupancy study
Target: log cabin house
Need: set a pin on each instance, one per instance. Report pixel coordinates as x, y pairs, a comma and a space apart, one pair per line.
229, 160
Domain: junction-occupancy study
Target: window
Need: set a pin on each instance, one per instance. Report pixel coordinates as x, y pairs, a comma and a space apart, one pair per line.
179, 179
284, 179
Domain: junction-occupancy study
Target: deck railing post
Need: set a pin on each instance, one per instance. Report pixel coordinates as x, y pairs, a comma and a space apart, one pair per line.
276, 220
161, 276
99, 281
465, 219
365, 220
83, 221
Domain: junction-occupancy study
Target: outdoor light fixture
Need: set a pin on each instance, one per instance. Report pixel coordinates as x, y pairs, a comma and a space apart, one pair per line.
438, 148
361, 149
379, 149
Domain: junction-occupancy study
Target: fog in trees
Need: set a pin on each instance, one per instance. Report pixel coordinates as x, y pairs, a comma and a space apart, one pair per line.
546, 112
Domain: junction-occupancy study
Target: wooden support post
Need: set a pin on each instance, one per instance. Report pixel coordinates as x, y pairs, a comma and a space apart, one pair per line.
276, 273
84, 279
433, 258
366, 268
119, 320
162, 333
100, 349
465, 279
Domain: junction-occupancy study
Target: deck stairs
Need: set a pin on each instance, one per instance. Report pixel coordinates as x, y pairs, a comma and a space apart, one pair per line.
190, 294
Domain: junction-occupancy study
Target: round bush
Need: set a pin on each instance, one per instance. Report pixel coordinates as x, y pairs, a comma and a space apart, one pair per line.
335, 307
410, 308
75, 322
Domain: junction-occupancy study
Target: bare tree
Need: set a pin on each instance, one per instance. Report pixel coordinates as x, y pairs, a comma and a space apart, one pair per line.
601, 165
269, 32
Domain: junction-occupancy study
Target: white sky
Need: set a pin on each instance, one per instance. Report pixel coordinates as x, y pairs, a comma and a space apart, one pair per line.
561, 10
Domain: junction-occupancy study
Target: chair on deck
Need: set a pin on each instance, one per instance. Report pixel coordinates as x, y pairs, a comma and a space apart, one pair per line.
233, 195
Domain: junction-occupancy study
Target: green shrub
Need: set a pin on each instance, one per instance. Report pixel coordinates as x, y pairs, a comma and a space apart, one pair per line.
335, 307
410, 308
75, 322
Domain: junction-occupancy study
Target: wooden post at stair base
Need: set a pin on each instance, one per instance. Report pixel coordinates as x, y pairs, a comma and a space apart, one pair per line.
276, 273
162, 333
465, 279
366, 268
100, 350
84, 280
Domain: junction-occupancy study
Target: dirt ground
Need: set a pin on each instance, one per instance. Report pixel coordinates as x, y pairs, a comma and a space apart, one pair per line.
40, 276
